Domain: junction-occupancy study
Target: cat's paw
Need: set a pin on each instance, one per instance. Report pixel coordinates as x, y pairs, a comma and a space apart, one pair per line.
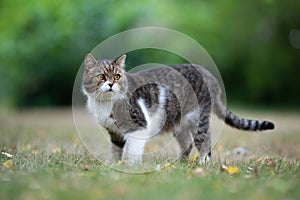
134, 159
204, 160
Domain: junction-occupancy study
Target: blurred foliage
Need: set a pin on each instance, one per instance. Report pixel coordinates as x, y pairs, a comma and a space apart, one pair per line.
42, 44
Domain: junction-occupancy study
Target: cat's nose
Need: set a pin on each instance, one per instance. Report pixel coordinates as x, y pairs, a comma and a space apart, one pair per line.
110, 85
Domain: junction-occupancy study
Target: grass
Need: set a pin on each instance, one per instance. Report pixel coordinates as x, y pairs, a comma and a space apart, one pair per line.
49, 162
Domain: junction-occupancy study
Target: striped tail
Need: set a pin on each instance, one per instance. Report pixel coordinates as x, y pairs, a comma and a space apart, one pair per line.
247, 124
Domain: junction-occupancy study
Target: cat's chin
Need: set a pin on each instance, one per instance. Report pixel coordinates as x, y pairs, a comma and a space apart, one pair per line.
108, 96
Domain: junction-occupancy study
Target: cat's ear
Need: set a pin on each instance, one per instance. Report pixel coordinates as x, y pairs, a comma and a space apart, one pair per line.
89, 61
121, 61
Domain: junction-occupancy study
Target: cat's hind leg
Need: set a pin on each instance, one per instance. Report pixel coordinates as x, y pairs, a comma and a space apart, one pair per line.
203, 144
185, 141
202, 140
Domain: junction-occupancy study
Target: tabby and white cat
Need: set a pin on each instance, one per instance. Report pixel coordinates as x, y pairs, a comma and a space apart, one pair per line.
133, 107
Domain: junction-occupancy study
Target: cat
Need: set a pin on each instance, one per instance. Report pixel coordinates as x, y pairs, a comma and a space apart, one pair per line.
134, 107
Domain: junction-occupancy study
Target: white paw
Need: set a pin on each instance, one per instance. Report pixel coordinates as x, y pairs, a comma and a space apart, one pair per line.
204, 159
134, 159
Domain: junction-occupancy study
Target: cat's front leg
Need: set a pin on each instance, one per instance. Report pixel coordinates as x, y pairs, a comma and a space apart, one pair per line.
117, 145
134, 147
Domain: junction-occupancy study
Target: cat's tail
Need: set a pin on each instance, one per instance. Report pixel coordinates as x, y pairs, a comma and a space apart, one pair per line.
239, 122
247, 124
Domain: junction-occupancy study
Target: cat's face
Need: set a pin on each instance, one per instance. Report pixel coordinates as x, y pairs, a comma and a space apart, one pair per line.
104, 78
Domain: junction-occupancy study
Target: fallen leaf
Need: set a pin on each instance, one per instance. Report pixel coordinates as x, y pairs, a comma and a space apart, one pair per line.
56, 150
167, 166
164, 167
26, 148
7, 154
270, 162
9, 164
260, 160
250, 170
195, 158
232, 170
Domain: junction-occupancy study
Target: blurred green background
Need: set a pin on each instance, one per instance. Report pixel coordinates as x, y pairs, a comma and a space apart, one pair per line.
255, 44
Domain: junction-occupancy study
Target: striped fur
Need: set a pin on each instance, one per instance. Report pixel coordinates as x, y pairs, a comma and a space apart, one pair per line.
133, 107
247, 124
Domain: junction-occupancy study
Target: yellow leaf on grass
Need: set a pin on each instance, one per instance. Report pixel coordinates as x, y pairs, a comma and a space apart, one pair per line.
195, 158
232, 170
56, 150
260, 160
9, 164
165, 166
26, 148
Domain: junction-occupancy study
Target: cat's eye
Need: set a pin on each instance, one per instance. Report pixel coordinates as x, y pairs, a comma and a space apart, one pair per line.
117, 76
101, 77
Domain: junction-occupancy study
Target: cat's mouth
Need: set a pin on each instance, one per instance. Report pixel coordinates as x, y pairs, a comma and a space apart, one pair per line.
105, 90
108, 91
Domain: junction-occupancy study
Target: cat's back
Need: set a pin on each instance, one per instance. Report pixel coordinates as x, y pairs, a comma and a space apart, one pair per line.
175, 73
163, 71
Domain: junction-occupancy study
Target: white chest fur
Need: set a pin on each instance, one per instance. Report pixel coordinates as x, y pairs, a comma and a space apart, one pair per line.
102, 111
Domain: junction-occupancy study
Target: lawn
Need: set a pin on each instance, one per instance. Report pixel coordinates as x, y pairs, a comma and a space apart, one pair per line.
43, 158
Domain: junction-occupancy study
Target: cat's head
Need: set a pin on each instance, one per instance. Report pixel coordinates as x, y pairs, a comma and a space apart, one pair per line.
104, 78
